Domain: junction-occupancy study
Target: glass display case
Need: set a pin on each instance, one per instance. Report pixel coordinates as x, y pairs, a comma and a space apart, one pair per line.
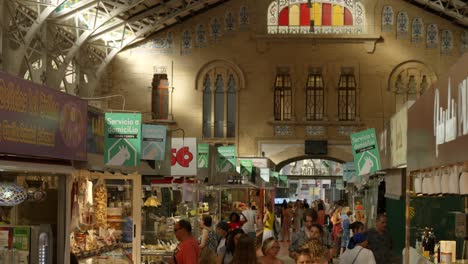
164, 202
105, 213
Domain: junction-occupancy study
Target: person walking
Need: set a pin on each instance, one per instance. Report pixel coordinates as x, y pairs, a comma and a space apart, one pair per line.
208, 236
286, 222
380, 240
357, 252
249, 217
270, 250
188, 251
268, 222
305, 234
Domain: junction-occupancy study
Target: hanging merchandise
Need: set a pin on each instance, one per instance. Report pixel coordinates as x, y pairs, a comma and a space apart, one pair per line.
100, 202
12, 194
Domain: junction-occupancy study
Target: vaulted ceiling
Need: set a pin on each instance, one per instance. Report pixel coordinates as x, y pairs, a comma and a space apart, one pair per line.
90, 33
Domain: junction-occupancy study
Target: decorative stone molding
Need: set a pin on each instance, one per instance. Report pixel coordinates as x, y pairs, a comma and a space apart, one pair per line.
347, 130
284, 130
369, 40
315, 130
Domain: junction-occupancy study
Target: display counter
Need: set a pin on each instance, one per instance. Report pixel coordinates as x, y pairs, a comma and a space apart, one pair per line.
105, 213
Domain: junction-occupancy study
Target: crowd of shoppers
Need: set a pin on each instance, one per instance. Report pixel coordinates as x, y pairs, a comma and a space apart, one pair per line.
321, 234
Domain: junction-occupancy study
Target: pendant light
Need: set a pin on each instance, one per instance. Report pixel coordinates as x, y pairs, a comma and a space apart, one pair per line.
12, 194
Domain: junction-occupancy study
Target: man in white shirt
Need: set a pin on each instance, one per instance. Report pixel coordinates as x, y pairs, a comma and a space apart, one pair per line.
249, 216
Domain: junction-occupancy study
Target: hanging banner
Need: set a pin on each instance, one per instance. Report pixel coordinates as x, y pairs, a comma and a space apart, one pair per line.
283, 180
95, 131
203, 155
154, 142
184, 157
246, 167
36, 120
265, 174
349, 173
226, 159
122, 139
365, 152
339, 184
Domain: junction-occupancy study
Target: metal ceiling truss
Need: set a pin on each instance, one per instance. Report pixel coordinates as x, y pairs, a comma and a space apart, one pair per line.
67, 44
455, 10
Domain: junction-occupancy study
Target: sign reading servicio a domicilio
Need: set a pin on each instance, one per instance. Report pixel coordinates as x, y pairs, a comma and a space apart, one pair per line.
365, 151
122, 139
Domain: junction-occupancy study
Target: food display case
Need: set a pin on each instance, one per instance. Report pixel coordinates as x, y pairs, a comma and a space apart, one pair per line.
164, 202
105, 217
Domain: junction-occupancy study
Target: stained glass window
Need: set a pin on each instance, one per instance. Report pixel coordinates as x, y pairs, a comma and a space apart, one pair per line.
347, 97
207, 107
314, 97
283, 97
324, 17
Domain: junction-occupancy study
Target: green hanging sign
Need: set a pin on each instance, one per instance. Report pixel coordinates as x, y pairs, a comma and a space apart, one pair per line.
122, 142
365, 152
203, 155
246, 166
226, 159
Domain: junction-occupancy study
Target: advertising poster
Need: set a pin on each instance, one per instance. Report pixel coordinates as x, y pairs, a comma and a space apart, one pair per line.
365, 152
184, 157
122, 139
154, 142
39, 121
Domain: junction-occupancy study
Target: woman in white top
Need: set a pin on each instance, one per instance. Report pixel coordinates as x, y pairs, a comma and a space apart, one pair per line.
357, 253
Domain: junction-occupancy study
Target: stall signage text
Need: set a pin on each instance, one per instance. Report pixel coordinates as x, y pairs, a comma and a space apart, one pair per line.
446, 127
38, 121
123, 139
184, 157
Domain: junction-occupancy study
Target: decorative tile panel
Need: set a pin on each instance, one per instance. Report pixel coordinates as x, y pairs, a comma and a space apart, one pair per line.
200, 36
186, 47
244, 18
315, 130
417, 30
402, 25
387, 18
432, 36
229, 22
346, 130
284, 130
446, 42
215, 29
464, 41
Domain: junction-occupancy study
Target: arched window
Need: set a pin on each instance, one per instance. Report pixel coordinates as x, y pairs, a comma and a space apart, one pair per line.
207, 107
316, 16
347, 97
283, 97
314, 97
231, 107
219, 107
221, 81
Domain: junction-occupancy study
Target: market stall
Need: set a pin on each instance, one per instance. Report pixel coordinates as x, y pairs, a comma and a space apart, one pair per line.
43, 132
105, 212
437, 169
